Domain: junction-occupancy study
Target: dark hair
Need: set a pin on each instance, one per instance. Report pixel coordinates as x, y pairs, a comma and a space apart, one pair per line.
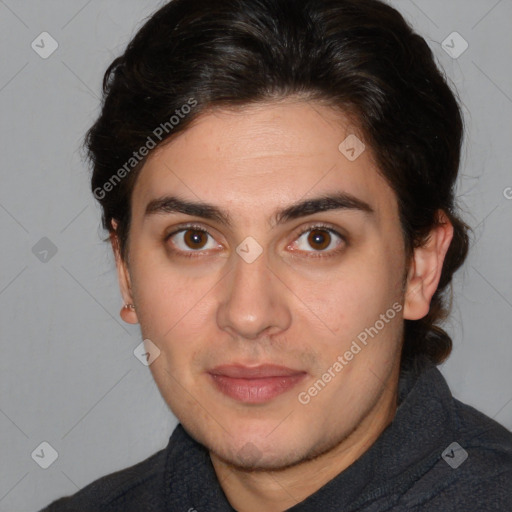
359, 56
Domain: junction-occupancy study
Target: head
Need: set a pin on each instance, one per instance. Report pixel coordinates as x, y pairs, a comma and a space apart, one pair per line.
277, 178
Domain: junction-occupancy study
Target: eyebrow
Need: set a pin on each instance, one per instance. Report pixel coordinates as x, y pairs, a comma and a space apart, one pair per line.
337, 201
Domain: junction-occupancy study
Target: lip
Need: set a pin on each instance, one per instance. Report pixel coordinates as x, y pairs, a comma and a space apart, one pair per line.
255, 384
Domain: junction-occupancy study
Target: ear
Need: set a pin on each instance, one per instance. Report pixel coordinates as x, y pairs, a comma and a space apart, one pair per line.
425, 269
127, 314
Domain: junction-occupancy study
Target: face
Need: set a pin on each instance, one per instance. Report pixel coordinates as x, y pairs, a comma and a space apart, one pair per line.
268, 269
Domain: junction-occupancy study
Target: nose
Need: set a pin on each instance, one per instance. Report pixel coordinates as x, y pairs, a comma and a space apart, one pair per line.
254, 301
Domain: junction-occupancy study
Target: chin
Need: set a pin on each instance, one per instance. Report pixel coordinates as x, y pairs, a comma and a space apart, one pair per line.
261, 453
252, 459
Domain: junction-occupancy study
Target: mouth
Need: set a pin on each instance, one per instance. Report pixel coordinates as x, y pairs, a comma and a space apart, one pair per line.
255, 384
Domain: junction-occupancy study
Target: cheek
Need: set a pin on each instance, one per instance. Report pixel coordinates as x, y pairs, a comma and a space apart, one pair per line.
169, 302
348, 299
362, 308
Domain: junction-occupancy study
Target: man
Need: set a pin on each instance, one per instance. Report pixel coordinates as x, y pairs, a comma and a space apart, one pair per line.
277, 178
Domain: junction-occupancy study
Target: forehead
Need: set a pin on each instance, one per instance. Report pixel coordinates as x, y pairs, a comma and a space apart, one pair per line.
261, 157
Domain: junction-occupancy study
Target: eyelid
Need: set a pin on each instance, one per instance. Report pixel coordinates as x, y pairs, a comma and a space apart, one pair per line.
185, 227
319, 225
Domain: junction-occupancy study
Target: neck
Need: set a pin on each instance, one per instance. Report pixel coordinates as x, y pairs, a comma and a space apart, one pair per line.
275, 491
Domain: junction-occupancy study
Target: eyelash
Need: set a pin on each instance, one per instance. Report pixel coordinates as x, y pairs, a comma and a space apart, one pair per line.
330, 230
315, 254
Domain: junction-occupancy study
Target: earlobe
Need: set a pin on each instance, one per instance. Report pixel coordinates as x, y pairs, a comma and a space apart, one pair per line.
425, 269
127, 313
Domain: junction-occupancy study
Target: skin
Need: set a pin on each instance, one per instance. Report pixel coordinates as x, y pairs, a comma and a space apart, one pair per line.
298, 305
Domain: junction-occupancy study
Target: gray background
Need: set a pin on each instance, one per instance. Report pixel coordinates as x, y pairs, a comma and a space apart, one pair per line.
68, 375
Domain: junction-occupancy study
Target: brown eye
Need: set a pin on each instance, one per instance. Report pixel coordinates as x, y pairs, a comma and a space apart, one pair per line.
190, 240
319, 239
195, 239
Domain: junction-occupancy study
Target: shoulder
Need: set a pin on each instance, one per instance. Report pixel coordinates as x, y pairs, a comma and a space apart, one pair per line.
488, 441
474, 471
466, 459
138, 487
